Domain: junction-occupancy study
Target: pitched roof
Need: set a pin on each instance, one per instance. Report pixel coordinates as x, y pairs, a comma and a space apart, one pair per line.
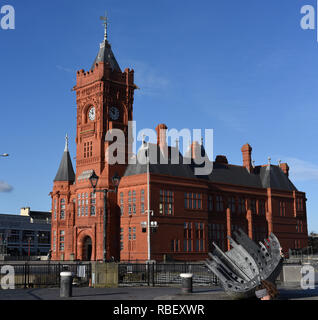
65, 171
105, 54
261, 177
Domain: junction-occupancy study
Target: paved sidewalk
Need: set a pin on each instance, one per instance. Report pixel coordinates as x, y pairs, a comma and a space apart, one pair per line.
144, 293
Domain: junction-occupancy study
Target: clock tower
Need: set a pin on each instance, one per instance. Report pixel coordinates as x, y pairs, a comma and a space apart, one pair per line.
104, 98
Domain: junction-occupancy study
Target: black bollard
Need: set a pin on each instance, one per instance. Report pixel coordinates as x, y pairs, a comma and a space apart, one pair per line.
186, 282
66, 284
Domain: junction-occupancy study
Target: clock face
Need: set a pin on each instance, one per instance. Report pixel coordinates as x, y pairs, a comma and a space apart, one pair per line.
91, 113
113, 113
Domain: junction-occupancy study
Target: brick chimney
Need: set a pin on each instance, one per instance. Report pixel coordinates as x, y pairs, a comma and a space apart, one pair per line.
162, 137
247, 156
195, 150
285, 168
221, 159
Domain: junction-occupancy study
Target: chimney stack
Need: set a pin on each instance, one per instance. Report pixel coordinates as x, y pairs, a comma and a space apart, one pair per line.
162, 137
285, 168
195, 150
247, 156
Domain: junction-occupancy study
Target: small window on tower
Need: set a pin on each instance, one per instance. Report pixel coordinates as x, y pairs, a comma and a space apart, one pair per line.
88, 149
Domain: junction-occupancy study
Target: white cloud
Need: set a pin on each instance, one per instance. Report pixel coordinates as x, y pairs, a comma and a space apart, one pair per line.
148, 79
301, 170
61, 68
5, 187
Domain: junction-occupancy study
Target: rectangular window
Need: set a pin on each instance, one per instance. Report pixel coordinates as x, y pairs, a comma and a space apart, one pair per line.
232, 204
219, 204
142, 208
261, 207
62, 209
55, 209
175, 245
134, 233
62, 234
199, 201
88, 149
192, 200
299, 226
187, 241
166, 202
299, 204
121, 238
241, 206
54, 240
282, 208
142, 201
253, 206
93, 210
13, 236
210, 203
121, 203
161, 202
199, 235
217, 234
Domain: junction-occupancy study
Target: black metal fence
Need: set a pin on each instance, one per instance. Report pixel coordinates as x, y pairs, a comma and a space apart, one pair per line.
28, 275
163, 274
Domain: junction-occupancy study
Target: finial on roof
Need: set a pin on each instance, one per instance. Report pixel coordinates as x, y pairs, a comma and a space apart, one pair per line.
66, 143
253, 163
269, 160
279, 162
143, 138
177, 143
105, 21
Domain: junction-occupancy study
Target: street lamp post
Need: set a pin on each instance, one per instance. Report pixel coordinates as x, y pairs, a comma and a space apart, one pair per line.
148, 203
94, 180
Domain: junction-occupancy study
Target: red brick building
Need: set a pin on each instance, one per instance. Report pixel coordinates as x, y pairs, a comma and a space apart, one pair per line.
190, 211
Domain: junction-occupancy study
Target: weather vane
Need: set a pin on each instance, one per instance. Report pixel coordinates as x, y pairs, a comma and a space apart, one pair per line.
66, 143
105, 22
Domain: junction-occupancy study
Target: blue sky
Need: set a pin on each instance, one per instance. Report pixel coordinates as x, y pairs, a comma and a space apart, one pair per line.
244, 68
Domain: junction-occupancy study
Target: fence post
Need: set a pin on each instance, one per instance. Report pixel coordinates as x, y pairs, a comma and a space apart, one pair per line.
148, 273
153, 274
25, 271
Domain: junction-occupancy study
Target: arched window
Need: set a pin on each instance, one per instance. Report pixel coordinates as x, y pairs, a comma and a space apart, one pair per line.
62, 209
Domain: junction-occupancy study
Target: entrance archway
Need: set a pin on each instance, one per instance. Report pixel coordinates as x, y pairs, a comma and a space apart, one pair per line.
87, 248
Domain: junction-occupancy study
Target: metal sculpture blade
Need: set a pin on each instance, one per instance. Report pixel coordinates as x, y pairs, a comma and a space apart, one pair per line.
241, 269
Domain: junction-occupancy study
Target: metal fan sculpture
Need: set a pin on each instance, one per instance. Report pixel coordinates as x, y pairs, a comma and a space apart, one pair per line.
241, 269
